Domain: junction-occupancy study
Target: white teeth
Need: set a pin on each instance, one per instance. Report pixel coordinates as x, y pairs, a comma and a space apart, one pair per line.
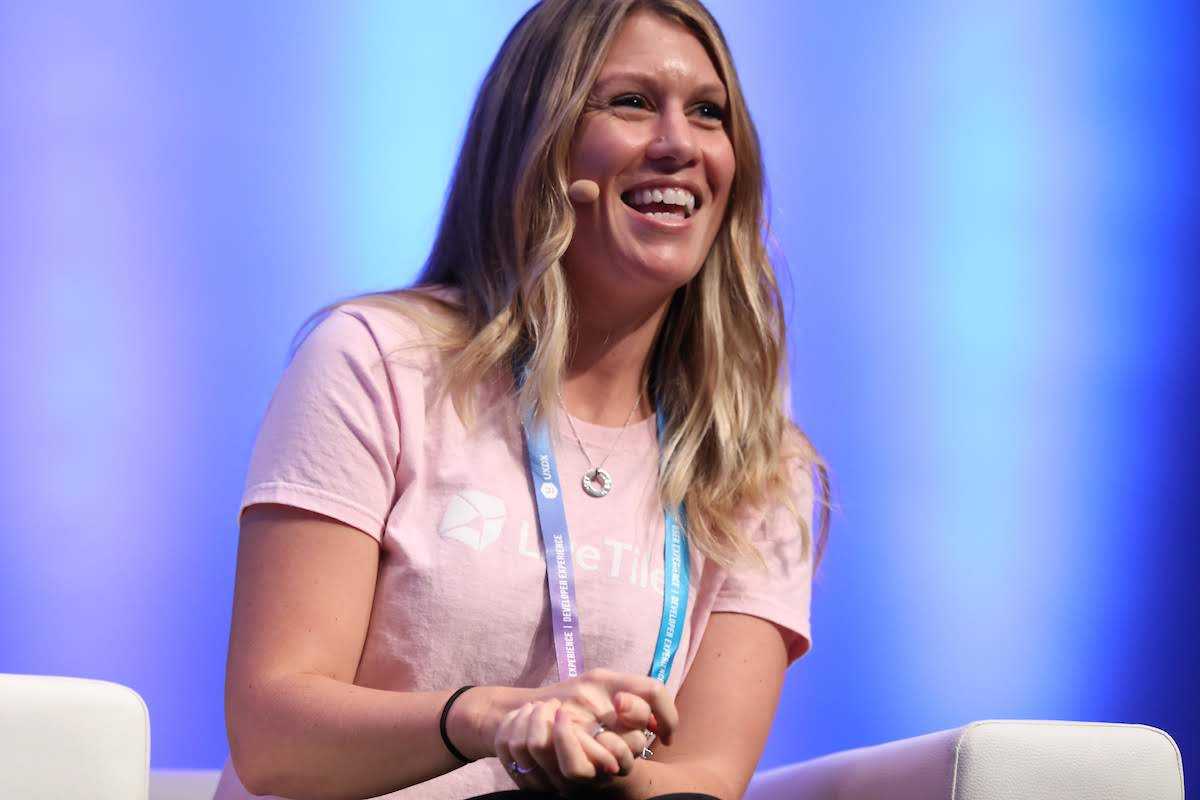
671, 195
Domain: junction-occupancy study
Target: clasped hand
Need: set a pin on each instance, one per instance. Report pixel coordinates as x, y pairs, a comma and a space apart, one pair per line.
554, 742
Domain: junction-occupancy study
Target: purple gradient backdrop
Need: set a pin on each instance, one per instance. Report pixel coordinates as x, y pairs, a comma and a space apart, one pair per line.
989, 216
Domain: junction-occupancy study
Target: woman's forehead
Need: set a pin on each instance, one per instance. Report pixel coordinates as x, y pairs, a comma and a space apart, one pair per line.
652, 48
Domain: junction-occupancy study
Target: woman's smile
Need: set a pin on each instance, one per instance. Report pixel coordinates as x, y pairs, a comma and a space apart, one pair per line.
667, 202
670, 208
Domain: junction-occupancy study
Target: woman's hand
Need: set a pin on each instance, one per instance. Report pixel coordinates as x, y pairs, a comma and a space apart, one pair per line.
547, 747
554, 733
594, 696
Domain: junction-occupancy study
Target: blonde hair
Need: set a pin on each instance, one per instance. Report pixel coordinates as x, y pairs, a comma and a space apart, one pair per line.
716, 368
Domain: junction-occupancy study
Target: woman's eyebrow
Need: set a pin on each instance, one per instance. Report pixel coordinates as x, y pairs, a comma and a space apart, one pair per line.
646, 78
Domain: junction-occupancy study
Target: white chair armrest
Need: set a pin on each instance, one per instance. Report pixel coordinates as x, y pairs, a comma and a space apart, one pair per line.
993, 760
72, 737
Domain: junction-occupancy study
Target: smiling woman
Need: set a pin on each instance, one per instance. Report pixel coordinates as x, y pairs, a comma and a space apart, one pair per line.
586, 512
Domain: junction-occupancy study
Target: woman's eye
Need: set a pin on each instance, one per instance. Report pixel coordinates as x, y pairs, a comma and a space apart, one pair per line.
712, 111
630, 100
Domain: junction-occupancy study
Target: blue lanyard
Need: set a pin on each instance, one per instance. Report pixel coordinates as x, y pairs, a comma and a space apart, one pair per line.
560, 570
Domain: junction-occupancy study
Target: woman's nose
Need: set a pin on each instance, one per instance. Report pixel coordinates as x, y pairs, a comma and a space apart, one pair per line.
674, 139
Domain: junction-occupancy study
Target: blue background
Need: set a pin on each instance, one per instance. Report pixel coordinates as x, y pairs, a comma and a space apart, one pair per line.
988, 215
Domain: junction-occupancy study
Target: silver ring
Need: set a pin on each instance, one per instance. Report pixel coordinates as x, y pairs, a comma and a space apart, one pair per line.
517, 769
599, 729
646, 751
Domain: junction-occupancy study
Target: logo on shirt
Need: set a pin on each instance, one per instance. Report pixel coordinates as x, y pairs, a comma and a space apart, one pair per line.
473, 518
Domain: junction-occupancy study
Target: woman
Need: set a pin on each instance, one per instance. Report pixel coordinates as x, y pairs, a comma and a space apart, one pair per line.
587, 376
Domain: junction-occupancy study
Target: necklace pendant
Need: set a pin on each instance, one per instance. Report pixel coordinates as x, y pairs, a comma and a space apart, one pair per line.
597, 482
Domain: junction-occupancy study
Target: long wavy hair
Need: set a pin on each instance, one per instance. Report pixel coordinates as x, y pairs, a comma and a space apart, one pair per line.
716, 369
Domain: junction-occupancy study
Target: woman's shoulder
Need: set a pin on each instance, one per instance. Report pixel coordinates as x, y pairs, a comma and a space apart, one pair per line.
416, 325
419, 311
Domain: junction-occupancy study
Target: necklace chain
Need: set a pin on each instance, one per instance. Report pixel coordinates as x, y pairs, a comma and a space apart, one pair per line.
598, 467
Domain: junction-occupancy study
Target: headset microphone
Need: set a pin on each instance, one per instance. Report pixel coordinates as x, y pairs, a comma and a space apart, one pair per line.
583, 191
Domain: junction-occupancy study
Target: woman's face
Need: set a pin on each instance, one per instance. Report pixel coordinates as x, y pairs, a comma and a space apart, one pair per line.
653, 138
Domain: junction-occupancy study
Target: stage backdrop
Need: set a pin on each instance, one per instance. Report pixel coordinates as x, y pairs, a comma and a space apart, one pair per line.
987, 213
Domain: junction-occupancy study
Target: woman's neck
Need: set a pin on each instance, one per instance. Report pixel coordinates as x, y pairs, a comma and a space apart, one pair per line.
607, 361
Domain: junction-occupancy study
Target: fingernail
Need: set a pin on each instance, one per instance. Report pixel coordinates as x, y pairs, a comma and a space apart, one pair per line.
652, 724
613, 769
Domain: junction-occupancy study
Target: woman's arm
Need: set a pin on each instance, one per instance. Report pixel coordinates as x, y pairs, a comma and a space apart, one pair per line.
297, 724
726, 706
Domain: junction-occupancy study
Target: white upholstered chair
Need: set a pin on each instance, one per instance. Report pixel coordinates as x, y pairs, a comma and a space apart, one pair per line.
74, 738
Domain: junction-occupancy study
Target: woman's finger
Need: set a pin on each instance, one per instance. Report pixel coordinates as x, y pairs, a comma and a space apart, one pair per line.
608, 751
633, 712
529, 773
500, 744
573, 763
540, 744
593, 701
517, 735
662, 705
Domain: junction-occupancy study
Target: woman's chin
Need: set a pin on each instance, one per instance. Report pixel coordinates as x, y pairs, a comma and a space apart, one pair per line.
634, 270
666, 269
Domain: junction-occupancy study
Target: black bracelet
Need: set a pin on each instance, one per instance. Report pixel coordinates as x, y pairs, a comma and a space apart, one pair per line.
442, 726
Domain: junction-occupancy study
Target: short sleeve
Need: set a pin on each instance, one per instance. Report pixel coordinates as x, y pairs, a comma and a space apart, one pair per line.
782, 593
330, 439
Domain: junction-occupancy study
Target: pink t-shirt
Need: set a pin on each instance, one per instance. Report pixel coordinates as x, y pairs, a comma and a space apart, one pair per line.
461, 596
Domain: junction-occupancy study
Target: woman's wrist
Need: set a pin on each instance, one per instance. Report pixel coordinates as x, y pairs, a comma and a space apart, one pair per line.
477, 713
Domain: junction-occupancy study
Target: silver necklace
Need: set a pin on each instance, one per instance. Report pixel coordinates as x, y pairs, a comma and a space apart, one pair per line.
597, 482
